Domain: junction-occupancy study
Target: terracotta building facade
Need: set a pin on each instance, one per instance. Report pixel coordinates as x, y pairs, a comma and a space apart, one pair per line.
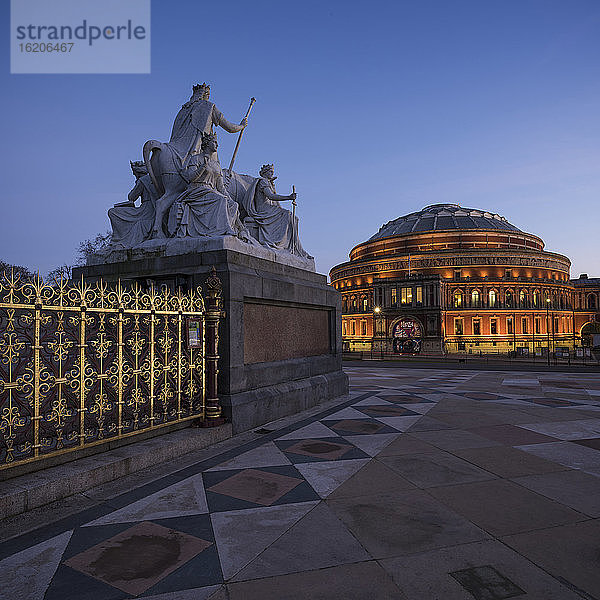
449, 279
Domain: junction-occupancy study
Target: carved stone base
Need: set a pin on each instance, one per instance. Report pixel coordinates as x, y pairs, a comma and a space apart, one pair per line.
159, 248
280, 341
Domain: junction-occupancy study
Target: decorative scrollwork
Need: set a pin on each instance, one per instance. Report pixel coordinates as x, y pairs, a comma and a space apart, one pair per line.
82, 362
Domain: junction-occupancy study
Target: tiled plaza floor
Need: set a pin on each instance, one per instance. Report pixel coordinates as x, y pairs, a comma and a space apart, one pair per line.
421, 485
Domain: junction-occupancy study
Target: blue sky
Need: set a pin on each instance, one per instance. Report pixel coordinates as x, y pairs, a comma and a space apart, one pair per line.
372, 110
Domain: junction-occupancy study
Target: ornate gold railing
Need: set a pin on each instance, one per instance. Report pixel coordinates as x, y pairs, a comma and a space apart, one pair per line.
84, 364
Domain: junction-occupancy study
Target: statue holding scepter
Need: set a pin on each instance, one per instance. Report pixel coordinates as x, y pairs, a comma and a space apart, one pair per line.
166, 162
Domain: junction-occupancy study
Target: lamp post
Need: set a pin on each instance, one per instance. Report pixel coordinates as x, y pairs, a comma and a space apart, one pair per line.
548, 326
378, 328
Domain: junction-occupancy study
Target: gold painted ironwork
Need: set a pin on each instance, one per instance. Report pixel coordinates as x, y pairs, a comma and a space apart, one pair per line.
81, 364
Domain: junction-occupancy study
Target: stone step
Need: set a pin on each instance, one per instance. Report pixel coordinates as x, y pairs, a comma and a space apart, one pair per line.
33, 490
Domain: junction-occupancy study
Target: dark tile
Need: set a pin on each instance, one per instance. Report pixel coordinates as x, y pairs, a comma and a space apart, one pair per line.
483, 396
386, 410
569, 552
218, 502
357, 426
590, 443
502, 507
256, 486
506, 461
424, 576
453, 439
318, 540
485, 583
512, 435
404, 523
321, 449
373, 478
574, 489
350, 582
552, 401
434, 469
427, 423
398, 399
139, 557
407, 444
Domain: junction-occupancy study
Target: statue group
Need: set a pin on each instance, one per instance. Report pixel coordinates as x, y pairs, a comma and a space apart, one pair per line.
184, 192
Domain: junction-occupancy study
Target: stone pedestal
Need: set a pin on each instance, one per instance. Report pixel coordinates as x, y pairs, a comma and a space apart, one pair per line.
280, 340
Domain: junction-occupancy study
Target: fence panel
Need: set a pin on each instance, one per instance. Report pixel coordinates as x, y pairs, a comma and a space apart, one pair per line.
83, 364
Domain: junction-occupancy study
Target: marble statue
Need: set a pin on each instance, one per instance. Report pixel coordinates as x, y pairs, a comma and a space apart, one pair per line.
131, 224
205, 208
165, 162
189, 205
272, 225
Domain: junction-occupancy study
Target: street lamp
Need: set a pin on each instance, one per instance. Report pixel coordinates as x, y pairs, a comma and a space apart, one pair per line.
548, 326
378, 328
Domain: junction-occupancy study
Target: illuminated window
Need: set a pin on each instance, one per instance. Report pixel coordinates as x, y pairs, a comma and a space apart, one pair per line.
476, 327
493, 326
457, 299
509, 299
475, 298
419, 294
524, 325
458, 326
365, 305
406, 297
394, 297
509, 325
493, 297
536, 298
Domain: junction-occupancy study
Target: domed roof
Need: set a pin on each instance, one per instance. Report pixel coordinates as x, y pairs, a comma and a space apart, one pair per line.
438, 217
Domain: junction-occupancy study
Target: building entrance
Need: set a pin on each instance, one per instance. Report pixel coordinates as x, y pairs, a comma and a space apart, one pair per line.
406, 336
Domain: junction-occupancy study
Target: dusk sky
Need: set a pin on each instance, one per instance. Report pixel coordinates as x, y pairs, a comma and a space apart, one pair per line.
371, 109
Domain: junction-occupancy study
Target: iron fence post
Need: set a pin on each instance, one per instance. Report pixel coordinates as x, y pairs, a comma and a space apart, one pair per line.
213, 413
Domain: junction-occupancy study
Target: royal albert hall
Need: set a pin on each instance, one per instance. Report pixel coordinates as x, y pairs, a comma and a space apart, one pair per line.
462, 280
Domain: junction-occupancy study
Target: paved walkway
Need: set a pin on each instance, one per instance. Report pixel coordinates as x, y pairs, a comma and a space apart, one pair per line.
423, 484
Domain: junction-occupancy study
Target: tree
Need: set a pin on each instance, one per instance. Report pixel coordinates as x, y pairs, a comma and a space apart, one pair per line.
92, 246
63, 272
23, 273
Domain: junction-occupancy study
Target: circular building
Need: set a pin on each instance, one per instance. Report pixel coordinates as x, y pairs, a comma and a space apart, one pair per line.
454, 279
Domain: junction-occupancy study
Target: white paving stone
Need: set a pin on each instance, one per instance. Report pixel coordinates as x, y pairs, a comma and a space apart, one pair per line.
325, 477
181, 499
241, 535
314, 430
26, 575
372, 444
267, 455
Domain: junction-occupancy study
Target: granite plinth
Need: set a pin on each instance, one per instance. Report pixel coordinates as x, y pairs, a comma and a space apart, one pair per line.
268, 368
185, 246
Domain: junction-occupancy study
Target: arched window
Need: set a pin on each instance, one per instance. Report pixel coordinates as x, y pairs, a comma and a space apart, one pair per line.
457, 299
475, 298
509, 299
536, 298
493, 298
591, 302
